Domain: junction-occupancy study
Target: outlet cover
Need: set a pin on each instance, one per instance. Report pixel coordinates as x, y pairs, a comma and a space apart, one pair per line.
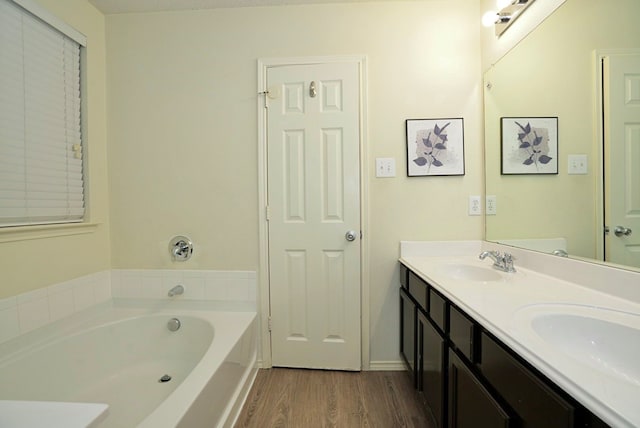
475, 206
491, 205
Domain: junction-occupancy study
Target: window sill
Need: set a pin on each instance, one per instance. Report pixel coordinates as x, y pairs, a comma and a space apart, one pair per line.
25, 233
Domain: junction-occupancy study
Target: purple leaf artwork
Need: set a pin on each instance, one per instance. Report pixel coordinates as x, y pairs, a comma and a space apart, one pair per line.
435, 147
529, 145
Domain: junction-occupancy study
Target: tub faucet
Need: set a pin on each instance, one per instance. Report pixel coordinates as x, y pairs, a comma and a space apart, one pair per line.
178, 289
503, 262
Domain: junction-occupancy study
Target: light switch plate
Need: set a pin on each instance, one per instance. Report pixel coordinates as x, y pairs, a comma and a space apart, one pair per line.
577, 164
385, 167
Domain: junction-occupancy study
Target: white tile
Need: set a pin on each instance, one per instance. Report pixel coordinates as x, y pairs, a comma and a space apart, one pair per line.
29, 296
130, 284
215, 289
61, 305
252, 291
151, 288
9, 323
33, 314
194, 288
115, 280
83, 297
237, 290
101, 290
9, 302
61, 286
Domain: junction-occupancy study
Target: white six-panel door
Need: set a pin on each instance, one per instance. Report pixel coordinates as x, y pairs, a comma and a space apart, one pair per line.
313, 144
622, 155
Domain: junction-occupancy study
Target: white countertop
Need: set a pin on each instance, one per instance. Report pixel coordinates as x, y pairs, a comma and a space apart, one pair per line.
47, 414
506, 307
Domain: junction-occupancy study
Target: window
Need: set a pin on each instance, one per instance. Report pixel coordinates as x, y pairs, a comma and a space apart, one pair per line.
41, 168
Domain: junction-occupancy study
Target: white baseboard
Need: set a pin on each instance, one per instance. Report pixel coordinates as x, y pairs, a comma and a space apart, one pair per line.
387, 366
373, 366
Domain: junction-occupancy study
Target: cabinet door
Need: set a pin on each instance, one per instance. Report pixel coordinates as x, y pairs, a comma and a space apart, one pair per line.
408, 332
431, 367
534, 402
470, 403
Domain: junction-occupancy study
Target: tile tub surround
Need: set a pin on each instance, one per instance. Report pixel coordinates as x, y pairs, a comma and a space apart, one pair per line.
229, 290
541, 279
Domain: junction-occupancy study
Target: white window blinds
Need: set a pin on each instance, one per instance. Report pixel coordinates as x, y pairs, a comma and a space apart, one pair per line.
41, 177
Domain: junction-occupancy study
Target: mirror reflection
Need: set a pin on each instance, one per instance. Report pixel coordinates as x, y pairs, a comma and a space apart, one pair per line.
581, 65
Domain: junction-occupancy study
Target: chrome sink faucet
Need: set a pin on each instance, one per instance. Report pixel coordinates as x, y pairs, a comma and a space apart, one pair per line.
503, 262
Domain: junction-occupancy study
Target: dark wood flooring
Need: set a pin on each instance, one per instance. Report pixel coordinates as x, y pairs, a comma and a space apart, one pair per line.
302, 398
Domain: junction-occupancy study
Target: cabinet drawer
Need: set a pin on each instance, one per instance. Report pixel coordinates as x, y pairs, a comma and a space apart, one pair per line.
404, 272
461, 332
438, 309
534, 402
418, 289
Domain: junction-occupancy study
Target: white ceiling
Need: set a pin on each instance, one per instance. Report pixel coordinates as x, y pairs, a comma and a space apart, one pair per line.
130, 6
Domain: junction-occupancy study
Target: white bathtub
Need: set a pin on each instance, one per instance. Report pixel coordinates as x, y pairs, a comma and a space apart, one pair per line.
117, 355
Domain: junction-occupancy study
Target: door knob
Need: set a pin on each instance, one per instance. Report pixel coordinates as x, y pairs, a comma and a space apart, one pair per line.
621, 230
350, 235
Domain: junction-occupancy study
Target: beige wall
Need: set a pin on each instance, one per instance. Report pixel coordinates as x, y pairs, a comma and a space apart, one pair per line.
552, 73
28, 262
183, 129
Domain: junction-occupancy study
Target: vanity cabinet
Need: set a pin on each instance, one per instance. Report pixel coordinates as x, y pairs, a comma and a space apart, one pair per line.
469, 378
408, 333
431, 366
471, 404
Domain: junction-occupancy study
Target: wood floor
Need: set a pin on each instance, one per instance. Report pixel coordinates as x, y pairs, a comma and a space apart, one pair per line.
302, 398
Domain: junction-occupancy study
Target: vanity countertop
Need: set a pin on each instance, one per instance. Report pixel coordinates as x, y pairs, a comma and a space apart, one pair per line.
560, 327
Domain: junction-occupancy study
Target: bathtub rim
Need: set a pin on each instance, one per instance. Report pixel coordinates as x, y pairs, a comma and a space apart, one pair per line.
118, 310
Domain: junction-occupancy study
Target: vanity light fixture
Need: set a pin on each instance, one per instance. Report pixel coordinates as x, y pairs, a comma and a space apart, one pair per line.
508, 11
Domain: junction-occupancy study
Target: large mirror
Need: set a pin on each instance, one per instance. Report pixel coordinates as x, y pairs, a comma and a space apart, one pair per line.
554, 72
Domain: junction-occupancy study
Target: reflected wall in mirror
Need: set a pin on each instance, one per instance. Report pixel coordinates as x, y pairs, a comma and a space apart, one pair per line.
553, 72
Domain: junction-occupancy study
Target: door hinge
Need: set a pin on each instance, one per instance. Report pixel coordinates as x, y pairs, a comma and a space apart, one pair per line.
266, 94
267, 212
269, 324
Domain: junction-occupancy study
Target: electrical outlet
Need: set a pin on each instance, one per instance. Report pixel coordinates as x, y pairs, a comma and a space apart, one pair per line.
491, 205
577, 164
475, 205
385, 167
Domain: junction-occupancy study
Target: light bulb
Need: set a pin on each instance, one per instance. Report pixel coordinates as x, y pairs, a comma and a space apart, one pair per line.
489, 18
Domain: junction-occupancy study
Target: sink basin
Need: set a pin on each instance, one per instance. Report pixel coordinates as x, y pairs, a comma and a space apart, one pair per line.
470, 273
605, 339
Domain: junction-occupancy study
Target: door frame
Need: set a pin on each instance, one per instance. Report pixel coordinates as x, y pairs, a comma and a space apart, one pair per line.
263, 271
599, 55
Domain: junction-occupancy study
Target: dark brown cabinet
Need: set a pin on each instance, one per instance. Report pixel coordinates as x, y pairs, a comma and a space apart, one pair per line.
408, 332
529, 396
431, 363
471, 405
469, 378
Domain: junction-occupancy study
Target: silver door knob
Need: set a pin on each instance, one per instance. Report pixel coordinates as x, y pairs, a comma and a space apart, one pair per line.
350, 235
622, 231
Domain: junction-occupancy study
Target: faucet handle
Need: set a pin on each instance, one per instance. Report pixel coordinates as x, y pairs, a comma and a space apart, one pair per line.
508, 262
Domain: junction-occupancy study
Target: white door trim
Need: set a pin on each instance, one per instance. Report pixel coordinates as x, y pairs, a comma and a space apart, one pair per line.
599, 55
263, 271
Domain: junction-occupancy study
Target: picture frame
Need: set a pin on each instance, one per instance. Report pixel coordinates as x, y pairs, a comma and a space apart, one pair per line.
529, 145
435, 147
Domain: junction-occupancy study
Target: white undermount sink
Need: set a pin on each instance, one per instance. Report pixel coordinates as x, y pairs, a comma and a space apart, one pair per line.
468, 272
604, 339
